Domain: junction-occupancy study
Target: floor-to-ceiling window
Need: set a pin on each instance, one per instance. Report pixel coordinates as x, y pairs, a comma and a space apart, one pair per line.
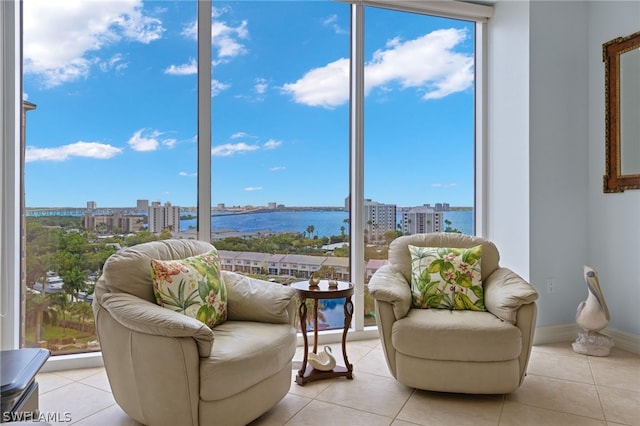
113, 112
419, 135
280, 145
109, 93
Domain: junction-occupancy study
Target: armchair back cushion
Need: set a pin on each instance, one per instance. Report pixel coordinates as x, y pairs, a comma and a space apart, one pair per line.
400, 257
253, 300
133, 273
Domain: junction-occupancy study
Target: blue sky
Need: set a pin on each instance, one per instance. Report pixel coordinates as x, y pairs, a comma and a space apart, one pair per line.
116, 104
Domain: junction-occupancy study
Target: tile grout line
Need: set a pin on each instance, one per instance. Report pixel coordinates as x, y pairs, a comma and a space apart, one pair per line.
595, 382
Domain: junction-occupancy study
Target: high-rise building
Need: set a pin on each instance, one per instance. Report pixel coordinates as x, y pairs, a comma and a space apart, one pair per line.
142, 205
107, 223
378, 219
91, 205
421, 219
163, 217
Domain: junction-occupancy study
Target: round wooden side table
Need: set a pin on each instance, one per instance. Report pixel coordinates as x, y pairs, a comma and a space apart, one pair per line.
323, 291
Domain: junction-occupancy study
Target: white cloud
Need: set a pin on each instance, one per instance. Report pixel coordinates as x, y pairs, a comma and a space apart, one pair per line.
95, 150
191, 31
61, 56
228, 149
217, 87
272, 144
261, 86
277, 168
137, 142
225, 39
332, 22
253, 188
428, 63
444, 185
186, 174
169, 143
327, 86
183, 69
238, 135
113, 63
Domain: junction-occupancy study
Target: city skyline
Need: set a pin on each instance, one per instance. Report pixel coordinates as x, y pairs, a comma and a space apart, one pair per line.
116, 104
98, 206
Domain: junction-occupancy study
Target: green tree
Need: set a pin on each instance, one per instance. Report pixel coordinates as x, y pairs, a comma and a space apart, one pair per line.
37, 267
95, 258
449, 228
310, 230
341, 251
83, 312
165, 234
141, 237
38, 310
59, 301
326, 272
74, 282
391, 235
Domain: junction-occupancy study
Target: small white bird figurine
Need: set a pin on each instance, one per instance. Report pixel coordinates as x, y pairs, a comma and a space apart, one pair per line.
323, 361
592, 316
313, 280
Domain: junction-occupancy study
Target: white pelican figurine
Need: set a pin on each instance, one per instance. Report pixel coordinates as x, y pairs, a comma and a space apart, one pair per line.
592, 316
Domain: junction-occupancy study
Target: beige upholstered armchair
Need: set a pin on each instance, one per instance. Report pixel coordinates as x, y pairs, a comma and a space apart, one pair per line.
166, 368
465, 351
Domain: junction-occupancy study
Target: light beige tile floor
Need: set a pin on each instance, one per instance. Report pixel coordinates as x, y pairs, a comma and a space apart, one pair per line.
561, 388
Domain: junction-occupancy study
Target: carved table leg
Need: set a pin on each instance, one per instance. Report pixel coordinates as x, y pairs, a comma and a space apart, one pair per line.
302, 313
315, 326
348, 314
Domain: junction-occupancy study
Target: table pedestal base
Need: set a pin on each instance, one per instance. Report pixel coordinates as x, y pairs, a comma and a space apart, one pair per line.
311, 374
323, 291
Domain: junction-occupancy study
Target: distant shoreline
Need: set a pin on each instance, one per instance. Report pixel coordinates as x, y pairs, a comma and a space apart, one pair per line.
189, 212
301, 209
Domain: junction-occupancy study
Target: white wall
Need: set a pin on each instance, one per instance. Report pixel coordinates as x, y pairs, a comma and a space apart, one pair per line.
614, 219
545, 206
558, 156
507, 148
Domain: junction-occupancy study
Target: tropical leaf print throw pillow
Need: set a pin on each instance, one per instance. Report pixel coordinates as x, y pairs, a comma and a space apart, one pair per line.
192, 286
446, 278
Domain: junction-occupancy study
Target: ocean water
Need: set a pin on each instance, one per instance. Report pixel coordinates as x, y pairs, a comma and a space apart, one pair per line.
324, 222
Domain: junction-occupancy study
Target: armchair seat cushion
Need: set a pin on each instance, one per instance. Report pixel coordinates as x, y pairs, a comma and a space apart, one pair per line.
262, 349
439, 334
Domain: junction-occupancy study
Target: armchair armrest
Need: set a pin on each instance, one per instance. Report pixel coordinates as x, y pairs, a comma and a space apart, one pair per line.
145, 317
250, 299
505, 292
389, 285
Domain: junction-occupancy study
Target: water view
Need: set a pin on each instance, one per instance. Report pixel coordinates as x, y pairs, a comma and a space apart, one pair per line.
325, 222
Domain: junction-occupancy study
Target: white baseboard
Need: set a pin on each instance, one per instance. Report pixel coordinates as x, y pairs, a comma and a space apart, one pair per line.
73, 362
623, 340
568, 332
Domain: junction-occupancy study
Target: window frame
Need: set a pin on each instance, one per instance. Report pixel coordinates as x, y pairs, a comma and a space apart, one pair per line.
12, 163
10, 177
